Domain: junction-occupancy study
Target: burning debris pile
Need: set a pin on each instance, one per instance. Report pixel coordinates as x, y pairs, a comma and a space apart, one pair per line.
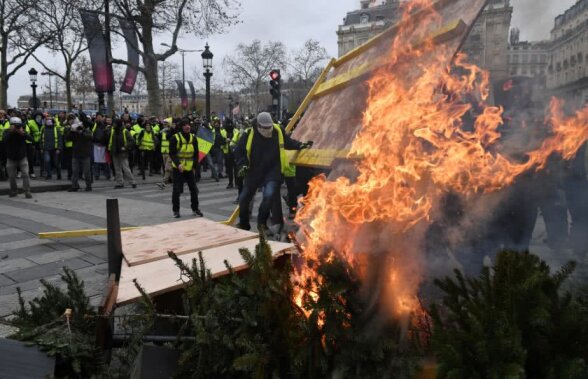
433, 150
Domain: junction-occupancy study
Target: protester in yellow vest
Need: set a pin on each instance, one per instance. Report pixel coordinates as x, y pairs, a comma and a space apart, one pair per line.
146, 141
33, 128
183, 151
166, 134
261, 160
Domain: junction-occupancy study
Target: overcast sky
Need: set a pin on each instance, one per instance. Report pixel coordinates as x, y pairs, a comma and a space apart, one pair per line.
293, 22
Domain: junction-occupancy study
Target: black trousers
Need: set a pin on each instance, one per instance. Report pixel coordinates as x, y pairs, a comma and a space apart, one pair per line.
66, 161
179, 178
230, 167
146, 160
31, 152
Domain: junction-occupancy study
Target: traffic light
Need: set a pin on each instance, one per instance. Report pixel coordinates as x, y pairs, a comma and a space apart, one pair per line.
275, 91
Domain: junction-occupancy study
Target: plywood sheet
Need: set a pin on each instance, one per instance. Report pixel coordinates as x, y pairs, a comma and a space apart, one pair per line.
333, 119
163, 276
152, 243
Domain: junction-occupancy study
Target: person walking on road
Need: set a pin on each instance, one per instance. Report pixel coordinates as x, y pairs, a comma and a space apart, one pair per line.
261, 160
81, 136
183, 152
15, 140
120, 144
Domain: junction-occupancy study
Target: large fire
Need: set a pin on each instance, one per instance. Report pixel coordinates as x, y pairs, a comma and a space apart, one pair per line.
415, 147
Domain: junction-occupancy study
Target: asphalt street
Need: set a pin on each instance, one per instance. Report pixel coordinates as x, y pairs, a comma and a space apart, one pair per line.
24, 258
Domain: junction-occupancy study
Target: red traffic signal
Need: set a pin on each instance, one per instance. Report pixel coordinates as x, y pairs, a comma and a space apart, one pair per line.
275, 75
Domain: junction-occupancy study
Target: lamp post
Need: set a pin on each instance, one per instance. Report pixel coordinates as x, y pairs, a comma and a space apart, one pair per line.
183, 53
35, 101
50, 74
207, 64
231, 106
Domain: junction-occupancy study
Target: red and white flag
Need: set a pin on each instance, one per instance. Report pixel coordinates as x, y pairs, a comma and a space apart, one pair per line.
236, 110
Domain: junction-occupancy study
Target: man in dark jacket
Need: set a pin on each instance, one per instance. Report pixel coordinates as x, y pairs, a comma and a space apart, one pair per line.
183, 152
51, 147
81, 136
120, 144
15, 140
261, 159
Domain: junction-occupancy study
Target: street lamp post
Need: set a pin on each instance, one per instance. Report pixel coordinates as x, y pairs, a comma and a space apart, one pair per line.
50, 74
207, 64
230, 106
33, 75
183, 53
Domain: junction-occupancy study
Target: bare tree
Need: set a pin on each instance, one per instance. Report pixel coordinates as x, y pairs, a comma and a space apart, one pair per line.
251, 64
172, 17
68, 40
170, 72
82, 80
20, 35
308, 62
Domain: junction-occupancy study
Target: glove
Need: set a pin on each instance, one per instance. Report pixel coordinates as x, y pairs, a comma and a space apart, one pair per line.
242, 171
307, 145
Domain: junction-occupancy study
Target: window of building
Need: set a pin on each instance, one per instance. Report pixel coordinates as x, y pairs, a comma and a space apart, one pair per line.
364, 18
534, 58
543, 58
515, 58
525, 58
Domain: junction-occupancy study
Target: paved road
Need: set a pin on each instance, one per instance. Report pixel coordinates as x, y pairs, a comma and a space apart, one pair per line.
24, 259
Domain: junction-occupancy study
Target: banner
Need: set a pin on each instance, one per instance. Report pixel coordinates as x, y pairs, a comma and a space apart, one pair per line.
205, 138
101, 67
183, 94
132, 56
193, 93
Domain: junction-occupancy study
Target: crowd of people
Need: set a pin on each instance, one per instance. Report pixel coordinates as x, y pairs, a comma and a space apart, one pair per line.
249, 152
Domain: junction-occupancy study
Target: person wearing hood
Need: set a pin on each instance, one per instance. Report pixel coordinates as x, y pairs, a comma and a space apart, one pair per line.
168, 131
51, 147
261, 160
120, 144
4, 125
81, 136
183, 152
15, 139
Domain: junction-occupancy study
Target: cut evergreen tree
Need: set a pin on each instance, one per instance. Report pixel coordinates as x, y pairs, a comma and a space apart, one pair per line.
514, 321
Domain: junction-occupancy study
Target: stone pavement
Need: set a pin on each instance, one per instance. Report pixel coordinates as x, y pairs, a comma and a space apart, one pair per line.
24, 258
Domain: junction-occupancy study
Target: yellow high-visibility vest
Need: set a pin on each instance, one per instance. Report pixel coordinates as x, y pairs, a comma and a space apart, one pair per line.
185, 151
284, 164
147, 143
164, 143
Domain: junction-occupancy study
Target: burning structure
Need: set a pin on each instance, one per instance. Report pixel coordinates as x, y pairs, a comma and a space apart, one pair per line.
428, 155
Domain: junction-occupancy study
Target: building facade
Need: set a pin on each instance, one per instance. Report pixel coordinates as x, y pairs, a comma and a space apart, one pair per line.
567, 74
360, 25
487, 43
528, 59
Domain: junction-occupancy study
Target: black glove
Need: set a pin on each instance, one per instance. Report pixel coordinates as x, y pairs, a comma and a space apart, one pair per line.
242, 171
306, 145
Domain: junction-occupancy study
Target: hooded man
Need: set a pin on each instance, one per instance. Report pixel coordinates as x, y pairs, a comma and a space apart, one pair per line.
51, 147
261, 160
120, 144
81, 136
15, 139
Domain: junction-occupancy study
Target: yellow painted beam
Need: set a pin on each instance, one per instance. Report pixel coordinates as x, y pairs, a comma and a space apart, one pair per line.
79, 233
447, 32
309, 96
231, 220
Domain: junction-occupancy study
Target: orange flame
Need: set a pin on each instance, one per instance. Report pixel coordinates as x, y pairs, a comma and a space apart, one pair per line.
414, 148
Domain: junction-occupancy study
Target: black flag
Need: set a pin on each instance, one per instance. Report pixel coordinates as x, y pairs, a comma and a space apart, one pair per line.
183, 94
101, 67
193, 93
132, 56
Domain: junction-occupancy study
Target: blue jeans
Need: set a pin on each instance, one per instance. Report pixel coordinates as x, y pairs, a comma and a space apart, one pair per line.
49, 155
271, 190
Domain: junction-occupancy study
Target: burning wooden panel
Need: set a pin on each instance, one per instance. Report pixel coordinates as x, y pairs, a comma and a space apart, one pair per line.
335, 113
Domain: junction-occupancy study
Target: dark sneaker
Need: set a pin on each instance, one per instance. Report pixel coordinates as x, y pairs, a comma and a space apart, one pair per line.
88, 189
197, 213
73, 190
160, 185
28, 195
47, 178
176, 214
119, 186
58, 177
216, 179
12, 194
243, 226
134, 185
230, 186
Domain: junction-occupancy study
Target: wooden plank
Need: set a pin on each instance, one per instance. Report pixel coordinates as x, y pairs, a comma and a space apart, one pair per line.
115, 255
152, 243
80, 233
446, 33
163, 275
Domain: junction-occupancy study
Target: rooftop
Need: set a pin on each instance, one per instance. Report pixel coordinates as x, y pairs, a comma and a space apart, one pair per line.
383, 12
